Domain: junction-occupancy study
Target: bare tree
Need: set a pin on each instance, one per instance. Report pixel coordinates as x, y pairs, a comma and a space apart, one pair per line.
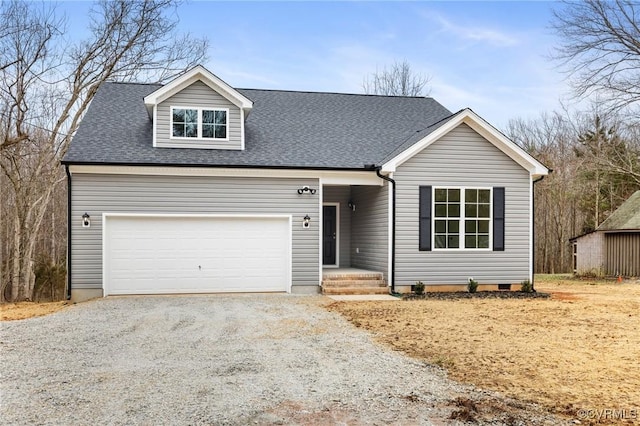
397, 80
590, 157
601, 48
47, 84
550, 139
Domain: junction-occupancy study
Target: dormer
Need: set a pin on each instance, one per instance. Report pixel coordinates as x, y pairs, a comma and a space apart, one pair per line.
198, 110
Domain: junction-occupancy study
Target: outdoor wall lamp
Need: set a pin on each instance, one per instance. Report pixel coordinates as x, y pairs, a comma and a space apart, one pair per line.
306, 221
306, 189
351, 205
86, 220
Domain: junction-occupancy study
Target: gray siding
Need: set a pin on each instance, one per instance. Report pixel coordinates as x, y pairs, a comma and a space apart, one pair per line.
622, 254
96, 194
342, 195
198, 95
370, 228
462, 158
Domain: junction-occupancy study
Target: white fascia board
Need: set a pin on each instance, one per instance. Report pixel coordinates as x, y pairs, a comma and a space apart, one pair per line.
198, 73
329, 177
477, 123
242, 120
155, 128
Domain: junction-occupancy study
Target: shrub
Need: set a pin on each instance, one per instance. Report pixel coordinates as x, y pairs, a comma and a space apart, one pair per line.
526, 286
472, 286
50, 280
418, 288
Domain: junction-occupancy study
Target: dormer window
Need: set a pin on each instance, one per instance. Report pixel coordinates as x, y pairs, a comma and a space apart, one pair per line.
199, 123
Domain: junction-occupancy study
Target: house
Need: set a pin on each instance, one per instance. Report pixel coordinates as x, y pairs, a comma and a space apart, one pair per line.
613, 248
195, 186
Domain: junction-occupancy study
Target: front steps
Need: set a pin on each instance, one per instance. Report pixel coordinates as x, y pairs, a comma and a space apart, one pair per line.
353, 282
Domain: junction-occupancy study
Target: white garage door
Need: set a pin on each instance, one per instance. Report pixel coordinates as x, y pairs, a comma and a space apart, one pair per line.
152, 255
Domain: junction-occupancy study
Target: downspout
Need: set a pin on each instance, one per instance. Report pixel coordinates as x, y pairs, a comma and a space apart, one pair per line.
533, 237
393, 228
66, 169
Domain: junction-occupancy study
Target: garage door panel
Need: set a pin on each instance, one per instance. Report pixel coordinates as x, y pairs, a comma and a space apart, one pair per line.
145, 255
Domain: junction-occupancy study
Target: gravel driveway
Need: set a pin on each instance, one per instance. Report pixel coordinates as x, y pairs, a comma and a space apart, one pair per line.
248, 359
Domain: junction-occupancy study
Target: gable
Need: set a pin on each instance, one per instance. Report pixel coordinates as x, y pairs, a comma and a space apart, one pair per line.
208, 113
479, 126
198, 73
462, 157
198, 97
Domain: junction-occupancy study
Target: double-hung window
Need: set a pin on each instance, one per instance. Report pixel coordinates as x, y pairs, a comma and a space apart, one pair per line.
199, 123
462, 218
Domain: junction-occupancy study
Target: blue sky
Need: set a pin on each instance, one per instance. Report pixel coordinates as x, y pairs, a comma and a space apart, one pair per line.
489, 56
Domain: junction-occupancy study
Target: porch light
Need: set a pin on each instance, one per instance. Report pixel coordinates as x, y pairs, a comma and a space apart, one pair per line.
306, 221
306, 189
351, 205
86, 220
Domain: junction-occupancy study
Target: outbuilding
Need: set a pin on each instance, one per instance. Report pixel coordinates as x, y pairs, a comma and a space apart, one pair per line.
613, 249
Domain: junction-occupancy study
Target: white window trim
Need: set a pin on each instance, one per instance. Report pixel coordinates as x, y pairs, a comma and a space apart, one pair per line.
199, 137
461, 231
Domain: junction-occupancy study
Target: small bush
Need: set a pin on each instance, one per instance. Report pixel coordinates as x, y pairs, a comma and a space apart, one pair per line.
50, 281
526, 286
418, 288
472, 286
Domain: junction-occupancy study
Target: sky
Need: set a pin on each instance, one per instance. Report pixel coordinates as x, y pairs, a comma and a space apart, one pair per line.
493, 57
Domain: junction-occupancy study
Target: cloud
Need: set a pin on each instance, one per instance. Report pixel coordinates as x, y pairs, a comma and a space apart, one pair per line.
475, 33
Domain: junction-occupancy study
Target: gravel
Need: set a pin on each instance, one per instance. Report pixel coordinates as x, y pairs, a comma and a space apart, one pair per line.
215, 359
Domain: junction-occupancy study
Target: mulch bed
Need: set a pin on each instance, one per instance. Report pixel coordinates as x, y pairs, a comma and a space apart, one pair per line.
454, 295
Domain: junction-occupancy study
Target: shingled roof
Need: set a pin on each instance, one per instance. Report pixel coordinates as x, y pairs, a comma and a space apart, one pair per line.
626, 217
285, 129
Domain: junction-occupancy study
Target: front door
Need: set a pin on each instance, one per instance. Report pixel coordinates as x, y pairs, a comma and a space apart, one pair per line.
329, 226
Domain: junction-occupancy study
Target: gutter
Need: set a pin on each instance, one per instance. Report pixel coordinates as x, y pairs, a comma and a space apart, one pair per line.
211, 166
66, 169
393, 226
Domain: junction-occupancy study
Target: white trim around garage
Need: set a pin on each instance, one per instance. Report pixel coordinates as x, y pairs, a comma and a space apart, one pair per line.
105, 242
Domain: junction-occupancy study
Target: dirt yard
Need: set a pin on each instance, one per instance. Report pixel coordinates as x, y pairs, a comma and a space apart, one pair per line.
577, 353
23, 310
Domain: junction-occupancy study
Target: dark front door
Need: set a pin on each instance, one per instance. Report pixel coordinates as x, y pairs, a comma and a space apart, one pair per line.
329, 226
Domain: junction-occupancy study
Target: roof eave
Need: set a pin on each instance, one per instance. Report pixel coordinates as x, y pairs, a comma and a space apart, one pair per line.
196, 165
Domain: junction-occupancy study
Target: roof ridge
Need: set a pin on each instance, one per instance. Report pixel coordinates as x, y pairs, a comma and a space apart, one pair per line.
133, 83
337, 93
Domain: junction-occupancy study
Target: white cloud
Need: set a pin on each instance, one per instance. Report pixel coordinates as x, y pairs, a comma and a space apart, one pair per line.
474, 33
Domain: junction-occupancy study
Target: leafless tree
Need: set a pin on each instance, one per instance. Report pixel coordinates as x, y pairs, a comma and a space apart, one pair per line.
397, 80
590, 156
600, 48
47, 84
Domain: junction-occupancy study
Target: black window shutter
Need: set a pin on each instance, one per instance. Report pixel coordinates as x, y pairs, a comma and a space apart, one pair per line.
425, 219
498, 219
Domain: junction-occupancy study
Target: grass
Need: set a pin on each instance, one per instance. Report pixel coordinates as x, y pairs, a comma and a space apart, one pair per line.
24, 310
578, 350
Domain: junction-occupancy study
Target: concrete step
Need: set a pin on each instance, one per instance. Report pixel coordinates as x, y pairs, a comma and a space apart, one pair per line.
355, 290
353, 277
354, 283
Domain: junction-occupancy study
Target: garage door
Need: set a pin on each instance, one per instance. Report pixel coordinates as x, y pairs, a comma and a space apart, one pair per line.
177, 254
